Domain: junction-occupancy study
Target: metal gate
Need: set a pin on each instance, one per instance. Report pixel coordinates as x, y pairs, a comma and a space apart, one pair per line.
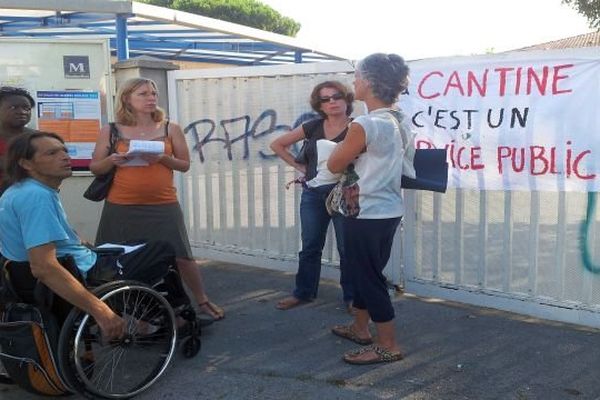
517, 251
234, 196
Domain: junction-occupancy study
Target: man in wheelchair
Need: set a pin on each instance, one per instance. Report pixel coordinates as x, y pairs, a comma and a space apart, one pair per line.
35, 230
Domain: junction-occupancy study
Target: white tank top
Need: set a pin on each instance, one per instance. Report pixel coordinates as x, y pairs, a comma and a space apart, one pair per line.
372, 184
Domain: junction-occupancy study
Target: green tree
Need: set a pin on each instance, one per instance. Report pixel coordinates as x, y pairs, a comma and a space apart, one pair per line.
245, 12
589, 8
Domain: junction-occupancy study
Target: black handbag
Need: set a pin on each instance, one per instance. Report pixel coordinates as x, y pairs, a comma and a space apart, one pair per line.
100, 186
431, 171
301, 157
431, 168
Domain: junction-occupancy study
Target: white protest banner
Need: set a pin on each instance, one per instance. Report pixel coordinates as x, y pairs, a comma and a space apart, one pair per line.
514, 121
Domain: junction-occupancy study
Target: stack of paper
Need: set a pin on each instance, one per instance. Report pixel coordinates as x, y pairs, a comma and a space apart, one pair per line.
137, 148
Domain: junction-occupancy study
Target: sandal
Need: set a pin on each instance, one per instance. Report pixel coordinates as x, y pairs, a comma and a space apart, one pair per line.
381, 356
346, 332
350, 308
289, 302
212, 310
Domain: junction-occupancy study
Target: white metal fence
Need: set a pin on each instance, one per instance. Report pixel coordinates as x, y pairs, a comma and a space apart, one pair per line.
519, 251
234, 197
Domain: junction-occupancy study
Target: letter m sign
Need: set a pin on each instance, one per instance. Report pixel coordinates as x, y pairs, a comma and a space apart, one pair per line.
76, 67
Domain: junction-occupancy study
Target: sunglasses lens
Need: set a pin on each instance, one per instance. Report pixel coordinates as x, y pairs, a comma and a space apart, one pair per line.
327, 99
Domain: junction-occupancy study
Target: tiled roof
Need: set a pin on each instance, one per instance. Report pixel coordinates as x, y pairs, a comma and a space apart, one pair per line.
591, 39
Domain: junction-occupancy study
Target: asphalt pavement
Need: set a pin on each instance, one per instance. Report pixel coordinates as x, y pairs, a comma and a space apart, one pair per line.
453, 351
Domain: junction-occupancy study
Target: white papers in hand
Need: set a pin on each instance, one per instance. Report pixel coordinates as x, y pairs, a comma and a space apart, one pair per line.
137, 148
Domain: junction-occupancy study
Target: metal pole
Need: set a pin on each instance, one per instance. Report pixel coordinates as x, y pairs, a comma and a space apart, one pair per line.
122, 39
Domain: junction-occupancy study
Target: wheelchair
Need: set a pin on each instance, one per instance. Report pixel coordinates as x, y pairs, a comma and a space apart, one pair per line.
121, 368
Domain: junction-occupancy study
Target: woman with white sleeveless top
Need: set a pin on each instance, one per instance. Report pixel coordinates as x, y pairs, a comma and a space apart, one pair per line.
372, 156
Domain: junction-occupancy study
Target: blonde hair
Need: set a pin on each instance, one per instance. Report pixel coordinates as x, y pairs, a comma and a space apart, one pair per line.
123, 113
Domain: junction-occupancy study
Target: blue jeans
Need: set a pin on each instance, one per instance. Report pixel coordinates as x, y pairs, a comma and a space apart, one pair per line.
314, 221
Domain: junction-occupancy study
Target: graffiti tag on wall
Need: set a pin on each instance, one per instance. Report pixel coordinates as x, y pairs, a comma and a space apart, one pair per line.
239, 132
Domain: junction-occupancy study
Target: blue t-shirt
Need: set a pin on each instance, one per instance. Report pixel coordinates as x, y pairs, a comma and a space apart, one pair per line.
31, 215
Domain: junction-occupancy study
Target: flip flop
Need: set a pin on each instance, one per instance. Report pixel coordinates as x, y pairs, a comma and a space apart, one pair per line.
290, 302
346, 332
216, 312
381, 356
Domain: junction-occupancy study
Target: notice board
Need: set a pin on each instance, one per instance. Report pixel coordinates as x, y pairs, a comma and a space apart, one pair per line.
70, 80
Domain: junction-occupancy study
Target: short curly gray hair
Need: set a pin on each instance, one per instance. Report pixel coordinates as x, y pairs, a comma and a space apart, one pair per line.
387, 75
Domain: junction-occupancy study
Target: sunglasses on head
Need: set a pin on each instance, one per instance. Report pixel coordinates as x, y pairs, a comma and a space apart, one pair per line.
334, 97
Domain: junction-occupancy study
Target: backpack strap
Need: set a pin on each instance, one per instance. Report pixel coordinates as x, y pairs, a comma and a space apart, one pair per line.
167, 128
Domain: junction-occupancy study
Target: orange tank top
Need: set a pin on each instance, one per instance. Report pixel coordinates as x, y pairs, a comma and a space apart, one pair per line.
148, 185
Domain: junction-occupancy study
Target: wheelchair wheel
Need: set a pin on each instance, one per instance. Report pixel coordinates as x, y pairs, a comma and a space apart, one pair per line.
191, 346
124, 367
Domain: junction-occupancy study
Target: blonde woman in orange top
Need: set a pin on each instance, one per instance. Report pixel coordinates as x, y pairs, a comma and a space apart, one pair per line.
142, 201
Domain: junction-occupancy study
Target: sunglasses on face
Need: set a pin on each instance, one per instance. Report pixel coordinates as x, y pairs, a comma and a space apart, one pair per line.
334, 97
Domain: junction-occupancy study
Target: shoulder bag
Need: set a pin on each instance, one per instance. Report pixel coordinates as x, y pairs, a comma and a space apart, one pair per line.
429, 165
302, 156
98, 189
423, 169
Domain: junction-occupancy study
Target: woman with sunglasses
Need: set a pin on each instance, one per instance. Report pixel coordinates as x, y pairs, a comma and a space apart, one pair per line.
15, 113
332, 100
372, 203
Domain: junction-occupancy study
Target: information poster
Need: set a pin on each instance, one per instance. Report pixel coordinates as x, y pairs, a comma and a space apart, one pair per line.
75, 116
